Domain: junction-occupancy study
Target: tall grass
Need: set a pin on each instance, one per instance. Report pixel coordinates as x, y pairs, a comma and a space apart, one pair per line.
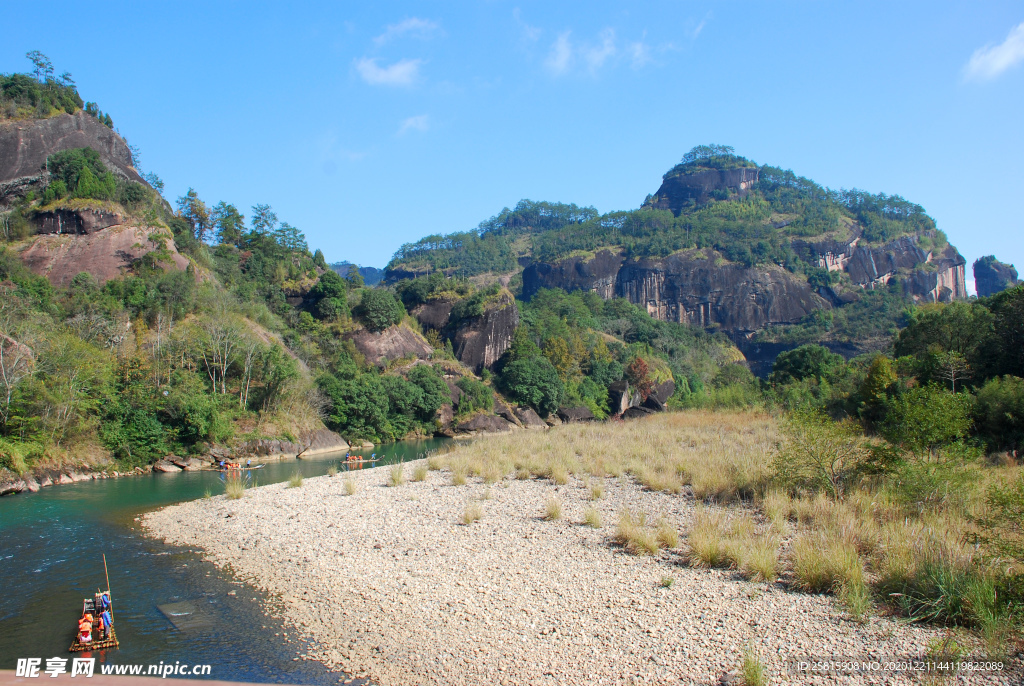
720, 540
473, 512
295, 480
552, 508
234, 486
419, 472
396, 475
350, 486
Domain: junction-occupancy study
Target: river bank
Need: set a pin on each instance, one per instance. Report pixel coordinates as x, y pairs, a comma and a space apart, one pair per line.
389, 583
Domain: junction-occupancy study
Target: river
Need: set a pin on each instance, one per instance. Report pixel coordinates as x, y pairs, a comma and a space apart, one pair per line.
51, 547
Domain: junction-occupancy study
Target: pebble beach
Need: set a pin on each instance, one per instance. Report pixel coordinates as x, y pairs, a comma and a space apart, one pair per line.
389, 584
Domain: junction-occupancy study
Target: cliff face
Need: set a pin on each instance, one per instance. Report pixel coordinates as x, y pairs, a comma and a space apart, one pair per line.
106, 252
393, 343
24, 147
677, 192
685, 288
992, 276
479, 341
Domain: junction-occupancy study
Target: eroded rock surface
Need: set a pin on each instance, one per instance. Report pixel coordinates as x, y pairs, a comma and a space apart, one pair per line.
393, 343
992, 276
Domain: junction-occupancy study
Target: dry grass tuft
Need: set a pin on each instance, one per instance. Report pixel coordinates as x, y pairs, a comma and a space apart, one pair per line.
435, 463
458, 476
350, 486
718, 541
332, 470
592, 518
295, 480
752, 668
633, 533
473, 512
552, 508
559, 474
668, 535
234, 487
396, 475
596, 490
419, 472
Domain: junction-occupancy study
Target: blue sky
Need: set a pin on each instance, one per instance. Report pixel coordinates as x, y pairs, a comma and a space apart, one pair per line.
372, 124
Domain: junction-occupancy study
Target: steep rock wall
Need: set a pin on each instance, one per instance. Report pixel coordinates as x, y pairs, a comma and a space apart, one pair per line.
676, 192
479, 342
685, 288
992, 276
25, 145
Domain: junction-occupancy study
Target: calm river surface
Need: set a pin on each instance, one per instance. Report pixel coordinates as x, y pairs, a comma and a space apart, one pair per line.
51, 544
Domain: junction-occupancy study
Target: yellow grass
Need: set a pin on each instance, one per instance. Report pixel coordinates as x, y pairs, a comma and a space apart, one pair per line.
350, 486
419, 472
552, 508
473, 512
396, 475
592, 518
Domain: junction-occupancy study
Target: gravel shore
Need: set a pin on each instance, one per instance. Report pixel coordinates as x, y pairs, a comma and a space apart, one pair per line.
389, 584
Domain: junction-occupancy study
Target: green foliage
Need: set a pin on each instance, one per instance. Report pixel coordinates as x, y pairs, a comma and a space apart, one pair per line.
1004, 522
806, 361
820, 454
329, 297
379, 309
80, 173
712, 156
926, 418
40, 97
533, 382
476, 395
999, 412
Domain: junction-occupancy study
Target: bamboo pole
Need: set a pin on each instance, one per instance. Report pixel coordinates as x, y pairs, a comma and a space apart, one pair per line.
107, 574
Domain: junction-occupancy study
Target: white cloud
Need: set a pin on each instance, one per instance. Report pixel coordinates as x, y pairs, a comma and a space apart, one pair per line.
560, 58
992, 60
697, 29
419, 28
530, 33
639, 53
401, 73
597, 55
417, 123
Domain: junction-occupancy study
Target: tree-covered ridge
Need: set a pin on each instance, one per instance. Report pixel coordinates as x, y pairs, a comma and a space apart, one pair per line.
713, 156
40, 94
758, 228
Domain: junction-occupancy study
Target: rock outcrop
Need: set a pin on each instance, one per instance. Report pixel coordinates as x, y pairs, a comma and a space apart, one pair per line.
393, 343
105, 253
306, 445
686, 287
484, 424
479, 341
992, 276
25, 145
697, 188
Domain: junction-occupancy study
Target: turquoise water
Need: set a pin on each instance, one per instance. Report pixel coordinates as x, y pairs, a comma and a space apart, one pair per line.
51, 547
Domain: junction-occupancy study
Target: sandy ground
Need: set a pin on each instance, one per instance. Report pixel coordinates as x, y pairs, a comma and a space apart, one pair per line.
389, 584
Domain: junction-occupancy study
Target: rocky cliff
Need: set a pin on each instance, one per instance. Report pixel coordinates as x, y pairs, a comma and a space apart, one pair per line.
477, 341
688, 287
697, 188
25, 145
992, 276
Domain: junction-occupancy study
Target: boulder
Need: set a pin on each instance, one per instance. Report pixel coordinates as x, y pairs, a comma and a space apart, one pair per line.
506, 413
663, 391
575, 414
484, 424
165, 466
393, 343
530, 419
653, 404
12, 486
189, 464
31, 484
65, 479
636, 413
618, 396
321, 441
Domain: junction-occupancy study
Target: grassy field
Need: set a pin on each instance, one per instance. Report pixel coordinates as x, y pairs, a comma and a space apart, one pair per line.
907, 541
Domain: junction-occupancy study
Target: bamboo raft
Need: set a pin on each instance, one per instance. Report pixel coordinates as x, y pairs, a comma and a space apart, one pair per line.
109, 642
89, 605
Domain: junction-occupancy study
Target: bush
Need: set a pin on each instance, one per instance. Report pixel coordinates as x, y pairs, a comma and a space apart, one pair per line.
999, 413
380, 310
476, 395
807, 361
925, 418
533, 382
819, 453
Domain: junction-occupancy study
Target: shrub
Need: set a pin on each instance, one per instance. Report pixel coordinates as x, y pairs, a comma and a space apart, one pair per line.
819, 453
380, 309
533, 382
925, 418
999, 413
476, 395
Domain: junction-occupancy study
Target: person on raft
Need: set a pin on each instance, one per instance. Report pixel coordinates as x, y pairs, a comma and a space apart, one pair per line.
85, 628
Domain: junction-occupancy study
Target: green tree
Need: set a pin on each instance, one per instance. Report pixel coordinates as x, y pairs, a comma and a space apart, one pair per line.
926, 418
1000, 413
806, 361
380, 309
533, 382
228, 222
196, 213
